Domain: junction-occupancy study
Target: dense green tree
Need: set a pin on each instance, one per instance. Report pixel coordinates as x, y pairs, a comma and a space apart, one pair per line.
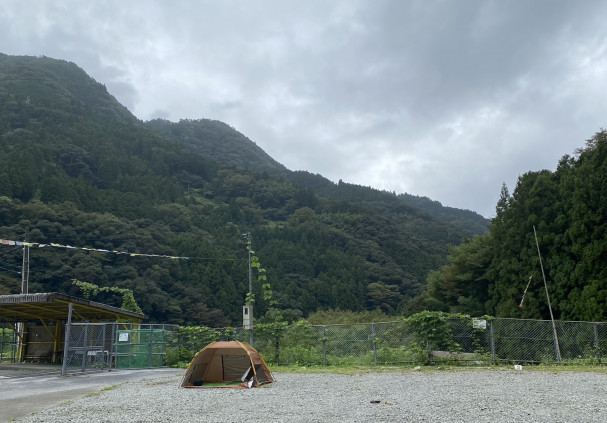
566, 209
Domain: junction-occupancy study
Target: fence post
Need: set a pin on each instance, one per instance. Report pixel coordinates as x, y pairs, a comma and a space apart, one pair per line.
2, 343
597, 344
112, 352
492, 340
66, 344
85, 349
151, 343
324, 345
374, 343
103, 346
132, 334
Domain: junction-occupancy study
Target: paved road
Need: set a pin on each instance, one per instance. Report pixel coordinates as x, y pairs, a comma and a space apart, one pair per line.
22, 396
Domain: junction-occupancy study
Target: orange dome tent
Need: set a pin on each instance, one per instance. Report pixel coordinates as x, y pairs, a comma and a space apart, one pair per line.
229, 364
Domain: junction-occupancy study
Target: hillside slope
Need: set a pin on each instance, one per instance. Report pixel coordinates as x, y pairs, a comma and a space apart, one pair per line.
79, 170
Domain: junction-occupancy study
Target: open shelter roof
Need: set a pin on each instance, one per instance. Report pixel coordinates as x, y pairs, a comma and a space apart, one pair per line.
54, 306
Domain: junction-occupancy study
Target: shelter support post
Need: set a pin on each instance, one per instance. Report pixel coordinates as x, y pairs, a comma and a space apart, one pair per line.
66, 344
22, 330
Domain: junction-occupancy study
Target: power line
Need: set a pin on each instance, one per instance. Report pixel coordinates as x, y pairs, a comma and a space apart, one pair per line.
10, 270
10, 264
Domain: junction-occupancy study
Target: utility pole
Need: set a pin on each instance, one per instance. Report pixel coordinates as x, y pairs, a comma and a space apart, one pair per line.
25, 272
25, 269
251, 333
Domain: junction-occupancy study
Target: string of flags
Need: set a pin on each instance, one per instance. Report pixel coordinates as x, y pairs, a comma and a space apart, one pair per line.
99, 250
521, 305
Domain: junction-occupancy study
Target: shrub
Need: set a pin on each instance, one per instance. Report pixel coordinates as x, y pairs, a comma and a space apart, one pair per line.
301, 356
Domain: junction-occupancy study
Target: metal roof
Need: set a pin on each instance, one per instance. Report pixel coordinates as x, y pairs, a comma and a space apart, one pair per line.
54, 306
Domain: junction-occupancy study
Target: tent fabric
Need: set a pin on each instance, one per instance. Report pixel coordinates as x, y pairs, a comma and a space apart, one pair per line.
222, 364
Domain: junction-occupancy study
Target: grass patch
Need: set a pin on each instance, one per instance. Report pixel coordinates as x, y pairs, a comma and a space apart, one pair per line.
344, 370
353, 370
98, 394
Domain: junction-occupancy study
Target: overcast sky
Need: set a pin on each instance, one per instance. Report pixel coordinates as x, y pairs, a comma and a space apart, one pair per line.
444, 99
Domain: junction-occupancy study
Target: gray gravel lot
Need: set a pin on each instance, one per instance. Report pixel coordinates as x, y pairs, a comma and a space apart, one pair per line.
411, 396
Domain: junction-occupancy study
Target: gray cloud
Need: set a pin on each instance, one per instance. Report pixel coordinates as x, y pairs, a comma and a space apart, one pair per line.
437, 98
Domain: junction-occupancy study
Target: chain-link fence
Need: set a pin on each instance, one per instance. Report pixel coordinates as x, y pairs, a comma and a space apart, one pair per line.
8, 342
472, 341
115, 345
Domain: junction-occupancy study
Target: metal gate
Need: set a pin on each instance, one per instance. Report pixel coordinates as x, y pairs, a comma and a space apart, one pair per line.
88, 346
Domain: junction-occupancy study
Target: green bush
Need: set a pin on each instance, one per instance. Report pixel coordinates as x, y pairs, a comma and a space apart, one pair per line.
387, 355
178, 357
185, 342
301, 356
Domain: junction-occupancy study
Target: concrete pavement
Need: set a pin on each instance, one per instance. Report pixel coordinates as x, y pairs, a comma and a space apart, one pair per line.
27, 394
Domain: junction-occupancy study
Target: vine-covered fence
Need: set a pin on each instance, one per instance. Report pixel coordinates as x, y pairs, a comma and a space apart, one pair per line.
424, 339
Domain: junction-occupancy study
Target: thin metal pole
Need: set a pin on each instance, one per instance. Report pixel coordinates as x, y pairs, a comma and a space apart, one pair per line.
66, 343
556, 338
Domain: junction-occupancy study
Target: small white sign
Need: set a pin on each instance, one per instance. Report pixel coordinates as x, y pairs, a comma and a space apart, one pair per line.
479, 324
123, 337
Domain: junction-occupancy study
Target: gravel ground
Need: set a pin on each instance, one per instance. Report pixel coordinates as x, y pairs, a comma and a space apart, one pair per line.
411, 396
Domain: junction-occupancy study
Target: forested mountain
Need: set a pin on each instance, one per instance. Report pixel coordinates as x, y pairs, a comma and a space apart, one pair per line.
218, 141
464, 219
78, 170
568, 208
